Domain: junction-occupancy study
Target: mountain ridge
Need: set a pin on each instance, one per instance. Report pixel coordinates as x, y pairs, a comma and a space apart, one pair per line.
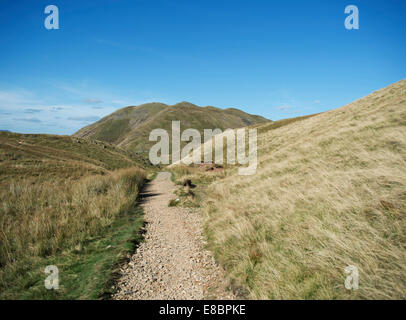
129, 127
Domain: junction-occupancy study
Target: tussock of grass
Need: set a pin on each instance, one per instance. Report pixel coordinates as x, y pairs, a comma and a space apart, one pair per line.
173, 202
329, 192
199, 177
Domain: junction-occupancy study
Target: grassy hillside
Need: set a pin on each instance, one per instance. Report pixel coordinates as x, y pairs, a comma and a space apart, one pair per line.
66, 202
130, 127
114, 127
329, 192
36, 156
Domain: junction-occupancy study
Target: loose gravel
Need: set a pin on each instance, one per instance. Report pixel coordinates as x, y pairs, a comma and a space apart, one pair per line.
172, 262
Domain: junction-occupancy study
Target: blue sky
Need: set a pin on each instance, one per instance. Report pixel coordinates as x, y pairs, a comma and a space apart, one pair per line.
278, 59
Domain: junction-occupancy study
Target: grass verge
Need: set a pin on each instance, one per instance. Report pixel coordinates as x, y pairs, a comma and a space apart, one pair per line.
85, 229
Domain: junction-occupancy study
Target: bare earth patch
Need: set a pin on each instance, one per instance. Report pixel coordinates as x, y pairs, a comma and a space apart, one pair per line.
171, 263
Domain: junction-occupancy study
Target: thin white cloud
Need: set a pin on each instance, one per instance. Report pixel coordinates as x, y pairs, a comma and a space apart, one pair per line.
65, 105
17, 98
83, 90
92, 101
284, 107
30, 110
33, 120
85, 118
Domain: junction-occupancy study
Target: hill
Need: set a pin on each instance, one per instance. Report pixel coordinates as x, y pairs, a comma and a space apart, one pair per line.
63, 201
129, 128
329, 192
37, 156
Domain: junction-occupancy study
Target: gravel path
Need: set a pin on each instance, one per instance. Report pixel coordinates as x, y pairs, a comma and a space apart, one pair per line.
171, 263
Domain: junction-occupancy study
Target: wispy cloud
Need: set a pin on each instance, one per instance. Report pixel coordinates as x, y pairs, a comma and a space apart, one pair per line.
284, 107
84, 118
92, 101
56, 109
92, 94
19, 98
32, 110
68, 106
32, 120
288, 109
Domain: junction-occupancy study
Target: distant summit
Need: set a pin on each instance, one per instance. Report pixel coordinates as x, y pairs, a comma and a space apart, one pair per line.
130, 127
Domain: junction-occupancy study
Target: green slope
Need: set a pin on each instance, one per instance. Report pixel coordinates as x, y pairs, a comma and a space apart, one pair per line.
38, 157
130, 127
68, 202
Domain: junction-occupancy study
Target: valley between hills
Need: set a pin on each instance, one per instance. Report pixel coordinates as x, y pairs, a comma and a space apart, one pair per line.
329, 192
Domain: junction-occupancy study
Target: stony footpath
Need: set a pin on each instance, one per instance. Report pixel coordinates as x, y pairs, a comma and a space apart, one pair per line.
171, 263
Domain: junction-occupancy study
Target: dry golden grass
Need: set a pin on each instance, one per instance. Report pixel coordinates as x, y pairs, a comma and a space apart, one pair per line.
61, 200
330, 191
43, 219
